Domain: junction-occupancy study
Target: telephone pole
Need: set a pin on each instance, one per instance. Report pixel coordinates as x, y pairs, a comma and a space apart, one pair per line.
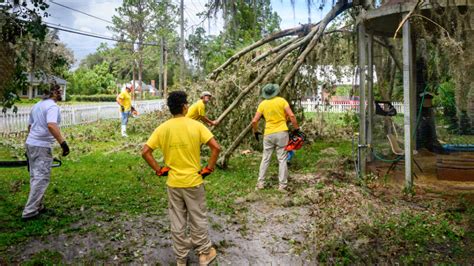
181, 10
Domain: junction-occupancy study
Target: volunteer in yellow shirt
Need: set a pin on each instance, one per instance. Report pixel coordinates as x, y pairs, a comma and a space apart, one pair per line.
197, 111
275, 111
124, 99
180, 139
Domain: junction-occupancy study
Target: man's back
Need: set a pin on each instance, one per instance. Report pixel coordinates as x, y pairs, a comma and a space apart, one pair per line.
274, 112
180, 140
44, 112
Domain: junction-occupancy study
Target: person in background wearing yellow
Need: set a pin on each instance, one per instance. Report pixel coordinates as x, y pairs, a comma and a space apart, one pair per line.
124, 99
180, 139
275, 111
197, 111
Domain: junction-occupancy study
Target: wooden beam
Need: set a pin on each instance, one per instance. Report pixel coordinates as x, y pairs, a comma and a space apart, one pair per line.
363, 125
409, 101
370, 93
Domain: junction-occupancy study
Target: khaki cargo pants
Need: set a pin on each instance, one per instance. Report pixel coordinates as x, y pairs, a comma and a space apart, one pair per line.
276, 141
40, 159
188, 204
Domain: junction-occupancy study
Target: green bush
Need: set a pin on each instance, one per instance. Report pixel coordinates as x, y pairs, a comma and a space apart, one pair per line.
94, 98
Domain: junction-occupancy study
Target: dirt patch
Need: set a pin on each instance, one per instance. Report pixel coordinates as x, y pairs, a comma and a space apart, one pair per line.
264, 234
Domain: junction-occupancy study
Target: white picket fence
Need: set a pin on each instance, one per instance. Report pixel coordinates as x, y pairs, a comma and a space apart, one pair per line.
73, 114
340, 106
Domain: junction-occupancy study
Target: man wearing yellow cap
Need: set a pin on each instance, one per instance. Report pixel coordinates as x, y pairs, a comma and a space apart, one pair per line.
275, 111
197, 111
124, 99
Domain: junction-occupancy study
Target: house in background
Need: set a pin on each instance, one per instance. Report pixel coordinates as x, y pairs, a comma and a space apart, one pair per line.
40, 82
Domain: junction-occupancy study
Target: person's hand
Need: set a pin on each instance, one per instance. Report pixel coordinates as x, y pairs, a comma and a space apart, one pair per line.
295, 131
65, 148
214, 123
163, 171
206, 171
257, 134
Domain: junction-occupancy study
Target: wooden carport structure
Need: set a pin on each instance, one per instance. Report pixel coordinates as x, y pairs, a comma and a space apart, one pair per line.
385, 21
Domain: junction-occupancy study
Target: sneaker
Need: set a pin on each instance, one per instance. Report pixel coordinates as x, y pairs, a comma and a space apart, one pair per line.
206, 259
29, 218
260, 186
181, 262
282, 188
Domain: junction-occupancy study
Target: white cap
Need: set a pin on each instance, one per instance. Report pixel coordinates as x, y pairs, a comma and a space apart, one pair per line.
128, 86
205, 93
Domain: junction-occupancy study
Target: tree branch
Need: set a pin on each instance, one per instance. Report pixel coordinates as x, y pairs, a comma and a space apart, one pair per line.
269, 38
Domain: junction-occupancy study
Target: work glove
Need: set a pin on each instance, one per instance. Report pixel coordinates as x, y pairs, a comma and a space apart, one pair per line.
163, 171
65, 148
122, 108
206, 171
256, 134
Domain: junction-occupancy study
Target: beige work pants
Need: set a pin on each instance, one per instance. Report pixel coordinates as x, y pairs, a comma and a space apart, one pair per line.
276, 141
188, 204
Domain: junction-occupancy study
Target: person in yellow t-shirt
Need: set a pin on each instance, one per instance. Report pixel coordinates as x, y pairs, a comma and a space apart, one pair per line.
197, 111
124, 99
275, 111
180, 140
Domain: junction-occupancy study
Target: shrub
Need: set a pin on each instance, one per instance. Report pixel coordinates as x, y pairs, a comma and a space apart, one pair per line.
94, 98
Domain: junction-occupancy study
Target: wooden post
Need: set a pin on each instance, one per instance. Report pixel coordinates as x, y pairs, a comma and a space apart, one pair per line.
362, 131
370, 88
409, 101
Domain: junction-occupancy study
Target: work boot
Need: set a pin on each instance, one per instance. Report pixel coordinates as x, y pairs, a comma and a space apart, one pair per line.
124, 131
282, 188
181, 262
260, 186
206, 258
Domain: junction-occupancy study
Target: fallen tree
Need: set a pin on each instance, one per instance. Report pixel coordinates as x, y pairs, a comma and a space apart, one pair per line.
306, 43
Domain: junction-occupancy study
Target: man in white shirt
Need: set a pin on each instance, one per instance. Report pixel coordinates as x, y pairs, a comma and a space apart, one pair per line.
43, 129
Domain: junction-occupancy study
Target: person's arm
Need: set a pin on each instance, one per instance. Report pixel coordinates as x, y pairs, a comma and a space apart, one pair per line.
215, 150
119, 100
255, 120
289, 113
207, 121
56, 132
147, 155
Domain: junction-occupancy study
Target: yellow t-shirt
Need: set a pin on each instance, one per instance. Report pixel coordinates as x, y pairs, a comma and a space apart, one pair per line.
197, 110
273, 111
180, 141
126, 100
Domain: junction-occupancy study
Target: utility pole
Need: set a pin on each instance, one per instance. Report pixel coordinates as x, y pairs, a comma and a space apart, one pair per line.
160, 83
181, 10
165, 72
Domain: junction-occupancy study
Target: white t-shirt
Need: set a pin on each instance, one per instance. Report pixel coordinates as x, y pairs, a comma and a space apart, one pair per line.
44, 112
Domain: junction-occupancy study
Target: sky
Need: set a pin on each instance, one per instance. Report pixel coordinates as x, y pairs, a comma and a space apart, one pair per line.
105, 9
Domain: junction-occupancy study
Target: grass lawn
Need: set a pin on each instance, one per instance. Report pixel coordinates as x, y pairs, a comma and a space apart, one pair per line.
105, 177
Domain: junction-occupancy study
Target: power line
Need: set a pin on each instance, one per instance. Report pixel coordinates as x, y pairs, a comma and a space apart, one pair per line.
94, 35
82, 12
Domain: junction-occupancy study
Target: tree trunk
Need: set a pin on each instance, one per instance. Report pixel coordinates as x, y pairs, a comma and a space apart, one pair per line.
275, 50
165, 72
317, 32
